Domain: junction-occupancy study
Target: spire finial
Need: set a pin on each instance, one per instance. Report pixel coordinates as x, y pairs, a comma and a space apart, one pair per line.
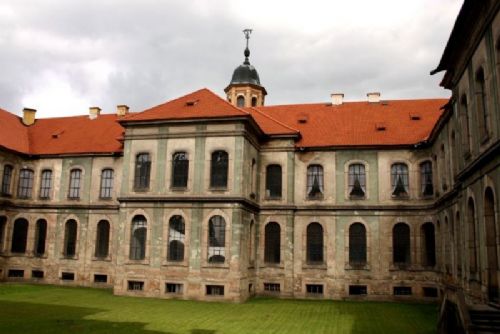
247, 33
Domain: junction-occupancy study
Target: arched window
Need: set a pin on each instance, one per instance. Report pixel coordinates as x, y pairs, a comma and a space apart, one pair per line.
464, 111
138, 237
471, 222
70, 234
401, 244
273, 181
314, 243
3, 222
315, 182
45, 184
176, 236
6, 179
400, 180
19, 236
106, 183
216, 240
25, 186
428, 245
357, 181
426, 185
491, 244
75, 177
357, 244
460, 245
251, 243
218, 170
180, 169
447, 246
142, 171
272, 243
240, 101
254, 101
482, 103
102, 239
40, 237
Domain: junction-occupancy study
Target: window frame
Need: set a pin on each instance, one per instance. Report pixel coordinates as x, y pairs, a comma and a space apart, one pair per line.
180, 171
274, 182
272, 243
103, 237
397, 170
426, 178
219, 171
177, 236
25, 184
315, 170
40, 238
142, 171
138, 243
8, 172
70, 239
216, 240
45, 184
358, 245
315, 243
107, 183
360, 175
75, 183
400, 242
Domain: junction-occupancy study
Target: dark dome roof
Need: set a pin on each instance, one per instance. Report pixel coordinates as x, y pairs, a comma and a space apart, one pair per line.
245, 74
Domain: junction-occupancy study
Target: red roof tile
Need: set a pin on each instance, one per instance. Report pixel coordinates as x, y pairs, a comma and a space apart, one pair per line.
355, 123
13, 133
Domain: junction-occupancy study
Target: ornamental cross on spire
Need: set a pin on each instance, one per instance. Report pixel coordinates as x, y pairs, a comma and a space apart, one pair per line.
247, 33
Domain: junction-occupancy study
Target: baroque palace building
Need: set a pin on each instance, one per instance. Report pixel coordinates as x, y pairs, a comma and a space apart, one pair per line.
214, 199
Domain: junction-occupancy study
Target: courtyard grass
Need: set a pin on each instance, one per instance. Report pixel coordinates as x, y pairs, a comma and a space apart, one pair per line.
54, 309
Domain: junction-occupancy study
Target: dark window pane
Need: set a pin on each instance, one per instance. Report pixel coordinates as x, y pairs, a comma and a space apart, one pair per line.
272, 243
427, 187
429, 258
70, 234
315, 182
218, 170
46, 183
176, 235
142, 171
19, 236
6, 179
399, 180
357, 244
40, 237
138, 237
314, 243
216, 240
74, 183
25, 186
102, 239
180, 170
3, 223
106, 183
401, 244
273, 181
357, 181
240, 101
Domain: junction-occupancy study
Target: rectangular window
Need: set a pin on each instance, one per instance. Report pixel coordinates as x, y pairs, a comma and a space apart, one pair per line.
15, 273
25, 183
357, 181
135, 285
315, 182
430, 292
427, 187
6, 179
273, 182
36, 274
272, 287
400, 180
215, 290
175, 288
357, 290
74, 184
402, 290
106, 184
314, 289
180, 170
99, 278
66, 276
45, 184
142, 172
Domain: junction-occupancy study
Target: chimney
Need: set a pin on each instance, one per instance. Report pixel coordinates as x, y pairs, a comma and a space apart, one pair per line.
122, 110
373, 97
94, 112
29, 116
337, 99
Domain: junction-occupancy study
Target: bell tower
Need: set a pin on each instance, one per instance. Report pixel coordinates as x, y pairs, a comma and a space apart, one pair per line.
245, 89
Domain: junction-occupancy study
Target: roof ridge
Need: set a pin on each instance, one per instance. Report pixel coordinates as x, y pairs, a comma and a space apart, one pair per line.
275, 120
345, 102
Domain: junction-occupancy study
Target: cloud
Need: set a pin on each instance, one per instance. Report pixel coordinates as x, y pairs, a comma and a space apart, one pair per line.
62, 57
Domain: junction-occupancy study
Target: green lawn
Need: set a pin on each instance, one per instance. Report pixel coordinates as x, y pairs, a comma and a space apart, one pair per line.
51, 309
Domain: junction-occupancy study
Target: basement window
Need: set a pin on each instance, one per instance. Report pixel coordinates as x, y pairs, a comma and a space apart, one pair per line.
272, 287
174, 288
357, 290
402, 291
430, 292
135, 285
36, 274
15, 273
215, 290
65, 276
99, 278
314, 289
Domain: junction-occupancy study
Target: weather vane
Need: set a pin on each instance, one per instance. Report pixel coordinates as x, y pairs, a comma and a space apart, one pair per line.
247, 33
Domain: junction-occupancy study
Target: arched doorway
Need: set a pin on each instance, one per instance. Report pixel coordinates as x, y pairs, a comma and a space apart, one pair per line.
491, 244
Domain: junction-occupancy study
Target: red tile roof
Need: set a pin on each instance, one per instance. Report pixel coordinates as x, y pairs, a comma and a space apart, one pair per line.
315, 125
355, 123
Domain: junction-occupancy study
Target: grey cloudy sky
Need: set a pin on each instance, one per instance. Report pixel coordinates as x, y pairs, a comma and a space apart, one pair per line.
61, 57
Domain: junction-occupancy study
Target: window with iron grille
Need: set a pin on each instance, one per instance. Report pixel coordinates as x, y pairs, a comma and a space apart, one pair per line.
102, 239
315, 182
37, 274
176, 235
218, 169
70, 234
356, 290
135, 285
272, 287
142, 171
314, 243
401, 244
40, 237
15, 273
6, 179
273, 181
180, 170
314, 289
100, 278
106, 183
173, 288
357, 244
399, 180
216, 240
45, 183
75, 178
357, 181
3, 223
19, 236
428, 237
272, 243
402, 290
65, 276
25, 185
215, 290
426, 184
138, 235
